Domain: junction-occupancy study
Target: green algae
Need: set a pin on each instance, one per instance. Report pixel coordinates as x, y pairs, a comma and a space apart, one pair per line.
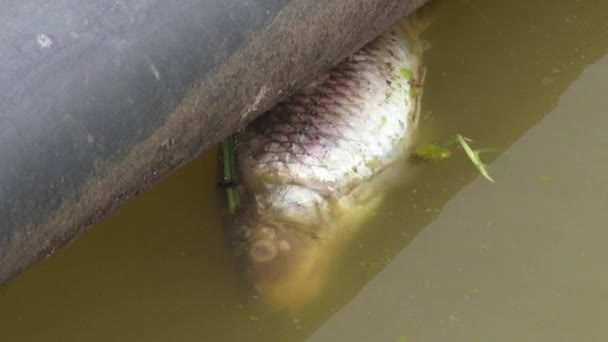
441, 151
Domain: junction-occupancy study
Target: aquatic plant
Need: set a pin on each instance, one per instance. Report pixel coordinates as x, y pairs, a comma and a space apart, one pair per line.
441, 151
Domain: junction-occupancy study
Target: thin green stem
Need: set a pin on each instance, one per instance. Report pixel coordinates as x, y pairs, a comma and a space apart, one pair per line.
229, 171
474, 157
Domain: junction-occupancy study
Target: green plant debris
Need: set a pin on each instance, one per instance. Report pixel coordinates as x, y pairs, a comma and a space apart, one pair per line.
436, 151
474, 156
402, 339
441, 151
432, 152
230, 177
406, 73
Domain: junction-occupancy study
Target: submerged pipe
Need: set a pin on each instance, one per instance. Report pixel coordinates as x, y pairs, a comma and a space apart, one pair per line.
100, 99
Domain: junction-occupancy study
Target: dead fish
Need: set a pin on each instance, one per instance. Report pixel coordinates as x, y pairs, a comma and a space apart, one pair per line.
316, 165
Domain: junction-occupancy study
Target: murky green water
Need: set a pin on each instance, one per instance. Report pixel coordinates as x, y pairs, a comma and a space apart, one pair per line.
449, 258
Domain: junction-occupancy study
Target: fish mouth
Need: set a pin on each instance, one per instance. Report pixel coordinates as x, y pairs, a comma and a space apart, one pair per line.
263, 251
283, 281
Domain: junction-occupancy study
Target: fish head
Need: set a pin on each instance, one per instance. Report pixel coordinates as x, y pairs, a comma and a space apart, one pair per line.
286, 252
285, 270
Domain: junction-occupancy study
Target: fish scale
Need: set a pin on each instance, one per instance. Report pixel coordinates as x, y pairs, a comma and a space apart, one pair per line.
316, 164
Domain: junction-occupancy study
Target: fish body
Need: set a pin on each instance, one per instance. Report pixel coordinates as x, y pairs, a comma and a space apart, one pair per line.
316, 165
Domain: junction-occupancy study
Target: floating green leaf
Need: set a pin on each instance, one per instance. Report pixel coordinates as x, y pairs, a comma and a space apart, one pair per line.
474, 156
440, 151
432, 152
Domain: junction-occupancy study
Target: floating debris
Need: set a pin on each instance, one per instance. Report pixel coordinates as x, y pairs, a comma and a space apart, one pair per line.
474, 156
441, 151
230, 174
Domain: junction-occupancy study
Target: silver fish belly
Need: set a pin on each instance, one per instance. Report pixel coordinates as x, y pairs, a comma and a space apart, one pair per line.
314, 166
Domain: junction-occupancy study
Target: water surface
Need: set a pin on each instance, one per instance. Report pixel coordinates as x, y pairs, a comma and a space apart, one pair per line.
449, 257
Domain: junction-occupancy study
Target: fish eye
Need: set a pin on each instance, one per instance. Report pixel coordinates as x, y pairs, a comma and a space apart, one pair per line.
263, 251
